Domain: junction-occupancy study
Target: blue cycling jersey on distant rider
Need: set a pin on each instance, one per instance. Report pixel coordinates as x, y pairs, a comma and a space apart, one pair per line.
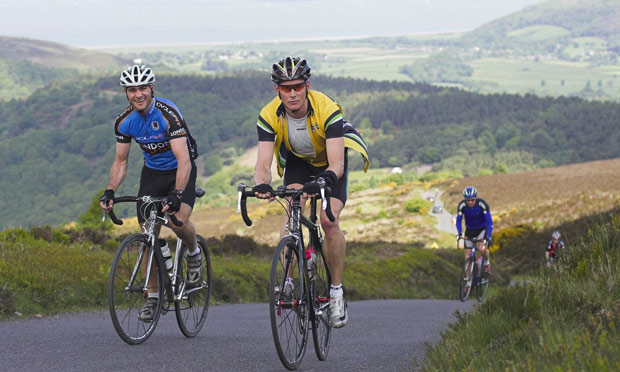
153, 130
476, 217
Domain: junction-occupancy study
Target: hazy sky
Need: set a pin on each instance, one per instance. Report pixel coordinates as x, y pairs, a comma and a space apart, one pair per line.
92, 23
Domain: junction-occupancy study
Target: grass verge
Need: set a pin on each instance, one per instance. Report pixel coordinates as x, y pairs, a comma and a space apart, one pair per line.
566, 319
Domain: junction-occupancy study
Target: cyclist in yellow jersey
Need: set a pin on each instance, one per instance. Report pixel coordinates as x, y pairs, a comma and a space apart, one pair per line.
304, 130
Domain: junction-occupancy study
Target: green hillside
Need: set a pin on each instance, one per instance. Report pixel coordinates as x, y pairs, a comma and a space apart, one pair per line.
27, 64
57, 145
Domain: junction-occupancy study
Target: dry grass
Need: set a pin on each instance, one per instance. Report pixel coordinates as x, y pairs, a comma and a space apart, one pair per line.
545, 197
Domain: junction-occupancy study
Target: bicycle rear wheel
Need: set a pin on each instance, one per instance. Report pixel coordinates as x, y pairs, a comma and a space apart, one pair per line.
319, 299
288, 304
191, 310
465, 280
126, 289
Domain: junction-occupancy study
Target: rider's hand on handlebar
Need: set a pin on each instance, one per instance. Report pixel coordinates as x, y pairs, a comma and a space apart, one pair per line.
106, 201
174, 202
311, 188
263, 191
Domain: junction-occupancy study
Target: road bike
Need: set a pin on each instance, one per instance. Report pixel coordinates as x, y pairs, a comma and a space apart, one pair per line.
299, 280
138, 268
471, 277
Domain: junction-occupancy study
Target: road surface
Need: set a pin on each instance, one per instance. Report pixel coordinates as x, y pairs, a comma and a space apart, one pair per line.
382, 335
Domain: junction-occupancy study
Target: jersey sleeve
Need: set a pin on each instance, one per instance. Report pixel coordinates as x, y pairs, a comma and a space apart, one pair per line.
120, 127
487, 216
176, 124
265, 130
459, 217
334, 125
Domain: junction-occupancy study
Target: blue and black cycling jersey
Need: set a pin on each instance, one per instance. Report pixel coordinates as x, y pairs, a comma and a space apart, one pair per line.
153, 131
476, 217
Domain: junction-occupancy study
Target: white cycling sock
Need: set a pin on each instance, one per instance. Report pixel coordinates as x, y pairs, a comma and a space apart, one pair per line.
336, 290
154, 295
195, 252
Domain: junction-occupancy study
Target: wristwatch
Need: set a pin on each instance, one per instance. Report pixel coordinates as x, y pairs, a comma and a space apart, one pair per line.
177, 192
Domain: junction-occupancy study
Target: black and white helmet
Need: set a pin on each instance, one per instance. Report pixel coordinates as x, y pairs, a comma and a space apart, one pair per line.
137, 75
290, 68
556, 235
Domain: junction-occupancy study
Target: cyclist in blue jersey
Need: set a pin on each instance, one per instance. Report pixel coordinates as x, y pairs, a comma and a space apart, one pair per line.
156, 124
478, 223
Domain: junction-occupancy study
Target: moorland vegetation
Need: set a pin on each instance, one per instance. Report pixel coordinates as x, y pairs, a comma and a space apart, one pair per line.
58, 144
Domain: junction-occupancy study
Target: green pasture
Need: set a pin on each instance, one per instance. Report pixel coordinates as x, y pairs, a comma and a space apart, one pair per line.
538, 33
552, 78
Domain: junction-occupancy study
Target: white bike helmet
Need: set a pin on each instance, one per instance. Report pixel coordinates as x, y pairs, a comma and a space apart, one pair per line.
136, 76
470, 192
556, 235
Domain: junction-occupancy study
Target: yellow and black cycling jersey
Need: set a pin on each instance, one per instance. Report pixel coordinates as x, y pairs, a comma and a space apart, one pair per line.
324, 121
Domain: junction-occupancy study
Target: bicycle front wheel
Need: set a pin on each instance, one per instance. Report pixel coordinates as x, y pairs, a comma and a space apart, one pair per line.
465, 280
191, 309
288, 304
319, 299
483, 286
128, 289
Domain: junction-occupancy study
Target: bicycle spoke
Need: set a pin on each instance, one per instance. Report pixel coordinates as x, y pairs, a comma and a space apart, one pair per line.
192, 308
125, 298
288, 305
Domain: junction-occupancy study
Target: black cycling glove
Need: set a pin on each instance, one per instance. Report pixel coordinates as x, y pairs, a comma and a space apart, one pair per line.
263, 188
108, 195
174, 201
329, 177
312, 188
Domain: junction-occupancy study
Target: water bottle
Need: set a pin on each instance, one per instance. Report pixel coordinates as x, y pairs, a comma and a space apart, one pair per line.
310, 257
165, 251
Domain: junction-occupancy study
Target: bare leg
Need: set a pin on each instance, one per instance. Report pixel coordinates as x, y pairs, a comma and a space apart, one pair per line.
335, 245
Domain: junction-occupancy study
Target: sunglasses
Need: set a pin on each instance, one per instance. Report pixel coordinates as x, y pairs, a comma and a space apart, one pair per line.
470, 200
287, 88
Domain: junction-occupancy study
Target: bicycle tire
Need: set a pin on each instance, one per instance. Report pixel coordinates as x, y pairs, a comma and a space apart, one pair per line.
288, 311
319, 299
465, 281
192, 308
483, 287
125, 299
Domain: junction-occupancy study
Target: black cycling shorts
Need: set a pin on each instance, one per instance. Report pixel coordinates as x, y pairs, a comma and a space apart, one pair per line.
474, 233
159, 183
299, 171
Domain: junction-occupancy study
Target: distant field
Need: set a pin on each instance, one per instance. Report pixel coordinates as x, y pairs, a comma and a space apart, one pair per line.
383, 58
553, 78
538, 32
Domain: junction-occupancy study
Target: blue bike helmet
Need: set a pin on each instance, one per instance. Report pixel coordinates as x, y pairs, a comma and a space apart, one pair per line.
470, 192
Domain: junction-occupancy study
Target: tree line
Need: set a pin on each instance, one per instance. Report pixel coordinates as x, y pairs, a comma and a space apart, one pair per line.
58, 144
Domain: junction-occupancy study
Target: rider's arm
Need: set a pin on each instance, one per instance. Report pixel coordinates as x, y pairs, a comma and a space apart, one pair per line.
489, 220
459, 228
119, 167
179, 148
335, 155
262, 169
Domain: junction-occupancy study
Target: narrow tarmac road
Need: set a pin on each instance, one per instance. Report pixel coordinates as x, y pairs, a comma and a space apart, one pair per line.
382, 335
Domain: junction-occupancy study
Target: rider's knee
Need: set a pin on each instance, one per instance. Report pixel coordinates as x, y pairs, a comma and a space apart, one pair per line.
329, 226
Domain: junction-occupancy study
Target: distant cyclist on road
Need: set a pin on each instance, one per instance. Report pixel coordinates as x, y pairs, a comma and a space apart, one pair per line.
478, 223
157, 125
306, 133
554, 247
